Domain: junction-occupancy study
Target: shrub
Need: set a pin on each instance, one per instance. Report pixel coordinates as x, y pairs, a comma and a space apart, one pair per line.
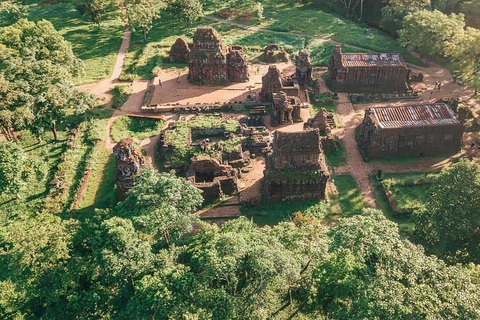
120, 95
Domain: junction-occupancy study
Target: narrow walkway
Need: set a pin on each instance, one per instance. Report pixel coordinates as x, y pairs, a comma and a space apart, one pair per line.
117, 70
355, 165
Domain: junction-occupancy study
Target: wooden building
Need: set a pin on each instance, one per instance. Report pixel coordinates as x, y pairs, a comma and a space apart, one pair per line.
367, 72
296, 169
419, 130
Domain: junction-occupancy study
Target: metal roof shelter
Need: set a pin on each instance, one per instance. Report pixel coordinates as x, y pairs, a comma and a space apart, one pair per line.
414, 116
371, 59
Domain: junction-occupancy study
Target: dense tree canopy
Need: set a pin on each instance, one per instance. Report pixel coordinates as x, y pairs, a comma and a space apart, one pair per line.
36, 68
452, 221
16, 170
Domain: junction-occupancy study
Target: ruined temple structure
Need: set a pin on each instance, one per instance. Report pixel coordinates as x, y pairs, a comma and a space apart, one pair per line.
179, 51
303, 67
273, 53
214, 178
323, 121
419, 130
129, 162
212, 62
296, 168
275, 81
370, 72
237, 65
285, 109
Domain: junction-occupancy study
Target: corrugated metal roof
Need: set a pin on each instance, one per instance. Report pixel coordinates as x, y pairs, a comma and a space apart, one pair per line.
414, 116
371, 60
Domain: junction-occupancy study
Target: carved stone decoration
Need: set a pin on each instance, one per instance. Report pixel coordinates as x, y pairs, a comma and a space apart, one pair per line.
237, 65
320, 122
303, 67
179, 51
286, 109
271, 82
129, 163
296, 169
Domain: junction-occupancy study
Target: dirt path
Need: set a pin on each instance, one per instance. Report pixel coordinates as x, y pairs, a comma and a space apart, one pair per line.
351, 119
102, 89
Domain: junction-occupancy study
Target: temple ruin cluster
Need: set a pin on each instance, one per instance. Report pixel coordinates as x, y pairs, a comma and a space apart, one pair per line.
209, 60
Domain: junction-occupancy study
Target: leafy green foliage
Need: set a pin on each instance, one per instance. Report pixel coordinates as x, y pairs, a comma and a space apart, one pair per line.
451, 219
185, 10
370, 264
141, 14
161, 204
431, 32
35, 53
96, 46
120, 95
94, 9
139, 128
16, 170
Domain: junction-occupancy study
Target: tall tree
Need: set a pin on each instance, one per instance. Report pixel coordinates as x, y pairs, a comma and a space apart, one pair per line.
466, 56
395, 10
94, 9
141, 13
372, 273
451, 222
431, 32
16, 170
161, 204
36, 68
186, 10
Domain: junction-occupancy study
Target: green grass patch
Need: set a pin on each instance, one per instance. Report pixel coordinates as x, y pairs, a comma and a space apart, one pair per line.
133, 127
405, 223
337, 158
281, 211
285, 17
96, 45
408, 190
349, 196
120, 95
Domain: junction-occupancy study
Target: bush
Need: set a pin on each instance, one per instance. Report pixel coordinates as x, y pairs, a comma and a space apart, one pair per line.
120, 95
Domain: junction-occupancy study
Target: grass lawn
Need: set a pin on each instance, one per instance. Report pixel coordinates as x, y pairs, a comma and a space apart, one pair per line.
406, 197
96, 46
100, 191
337, 158
132, 127
349, 196
298, 18
280, 211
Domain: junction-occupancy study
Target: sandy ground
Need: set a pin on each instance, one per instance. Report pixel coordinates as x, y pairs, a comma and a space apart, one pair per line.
172, 87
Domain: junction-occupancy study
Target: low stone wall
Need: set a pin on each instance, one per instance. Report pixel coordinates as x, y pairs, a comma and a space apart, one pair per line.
196, 132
